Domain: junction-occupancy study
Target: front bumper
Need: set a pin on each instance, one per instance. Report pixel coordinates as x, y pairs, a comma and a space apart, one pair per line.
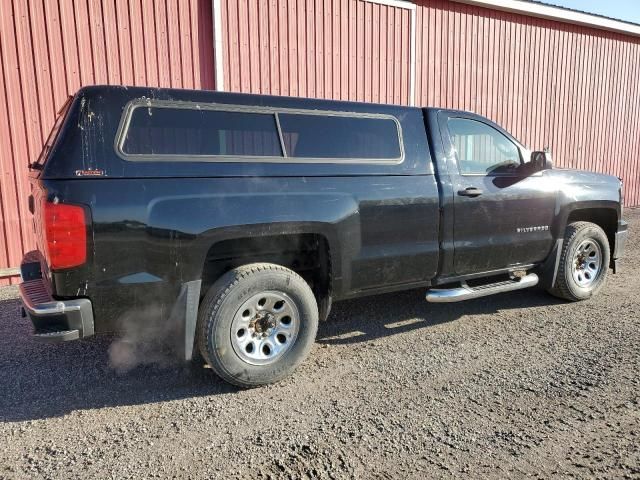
54, 320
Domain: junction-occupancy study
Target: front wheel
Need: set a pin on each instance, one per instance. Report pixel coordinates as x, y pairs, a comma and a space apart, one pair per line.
584, 262
257, 323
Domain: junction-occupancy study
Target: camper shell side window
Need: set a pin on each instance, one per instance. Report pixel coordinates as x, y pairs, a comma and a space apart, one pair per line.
160, 130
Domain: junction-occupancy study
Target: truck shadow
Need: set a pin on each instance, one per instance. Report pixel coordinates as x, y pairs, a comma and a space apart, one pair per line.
369, 318
50, 380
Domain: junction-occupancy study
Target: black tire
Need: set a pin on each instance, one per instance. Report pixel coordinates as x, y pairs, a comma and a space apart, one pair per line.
222, 304
566, 286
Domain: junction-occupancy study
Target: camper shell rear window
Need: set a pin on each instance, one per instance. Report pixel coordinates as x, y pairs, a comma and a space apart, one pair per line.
157, 130
53, 135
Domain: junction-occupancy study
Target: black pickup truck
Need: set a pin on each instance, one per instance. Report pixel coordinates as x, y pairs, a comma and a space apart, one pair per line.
233, 221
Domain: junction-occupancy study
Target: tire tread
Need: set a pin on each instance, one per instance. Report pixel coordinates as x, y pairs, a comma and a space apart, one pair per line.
561, 287
212, 302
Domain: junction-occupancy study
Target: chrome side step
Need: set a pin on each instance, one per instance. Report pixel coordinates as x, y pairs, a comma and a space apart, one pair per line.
465, 292
57, 336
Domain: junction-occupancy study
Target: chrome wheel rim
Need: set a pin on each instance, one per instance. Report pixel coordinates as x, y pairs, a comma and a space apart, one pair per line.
587, 263
265, 327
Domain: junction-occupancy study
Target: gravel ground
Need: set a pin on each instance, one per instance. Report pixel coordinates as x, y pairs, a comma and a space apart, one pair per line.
519, 384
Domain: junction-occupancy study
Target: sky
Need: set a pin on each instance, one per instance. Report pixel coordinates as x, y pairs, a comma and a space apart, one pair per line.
628, 10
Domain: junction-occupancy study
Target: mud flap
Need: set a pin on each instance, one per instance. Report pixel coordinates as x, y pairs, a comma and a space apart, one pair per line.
549, 269
187, 307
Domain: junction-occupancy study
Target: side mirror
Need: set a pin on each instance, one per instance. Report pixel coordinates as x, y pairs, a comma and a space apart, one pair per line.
541, 161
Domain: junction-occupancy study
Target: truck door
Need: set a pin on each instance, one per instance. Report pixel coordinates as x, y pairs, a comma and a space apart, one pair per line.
503, 212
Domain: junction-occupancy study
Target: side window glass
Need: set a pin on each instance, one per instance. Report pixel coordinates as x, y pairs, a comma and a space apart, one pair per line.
481, 149
192, 132
337, 137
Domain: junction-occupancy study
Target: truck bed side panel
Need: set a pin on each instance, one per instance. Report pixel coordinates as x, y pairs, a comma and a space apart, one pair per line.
152, 236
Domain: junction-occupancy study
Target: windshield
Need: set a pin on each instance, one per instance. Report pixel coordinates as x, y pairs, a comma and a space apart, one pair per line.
42, 158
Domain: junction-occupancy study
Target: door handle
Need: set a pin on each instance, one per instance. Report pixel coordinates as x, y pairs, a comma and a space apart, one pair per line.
470, 192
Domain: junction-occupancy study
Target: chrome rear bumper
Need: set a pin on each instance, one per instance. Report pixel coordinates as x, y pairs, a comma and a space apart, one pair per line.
55, 320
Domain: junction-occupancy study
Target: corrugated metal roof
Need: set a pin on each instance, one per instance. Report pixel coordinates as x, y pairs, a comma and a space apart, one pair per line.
539, 9
583, 12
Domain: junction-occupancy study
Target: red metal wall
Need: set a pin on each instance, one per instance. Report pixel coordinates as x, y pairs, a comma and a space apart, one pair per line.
568, 87
572, 88
340, 49
49, 48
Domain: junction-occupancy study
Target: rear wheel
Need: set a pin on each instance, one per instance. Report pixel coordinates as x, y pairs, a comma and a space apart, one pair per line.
584, 262
257, 323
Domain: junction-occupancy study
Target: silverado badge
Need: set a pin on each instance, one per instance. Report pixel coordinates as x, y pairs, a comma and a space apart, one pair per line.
539, 228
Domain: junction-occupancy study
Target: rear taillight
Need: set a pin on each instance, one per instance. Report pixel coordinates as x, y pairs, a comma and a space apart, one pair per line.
65, 230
